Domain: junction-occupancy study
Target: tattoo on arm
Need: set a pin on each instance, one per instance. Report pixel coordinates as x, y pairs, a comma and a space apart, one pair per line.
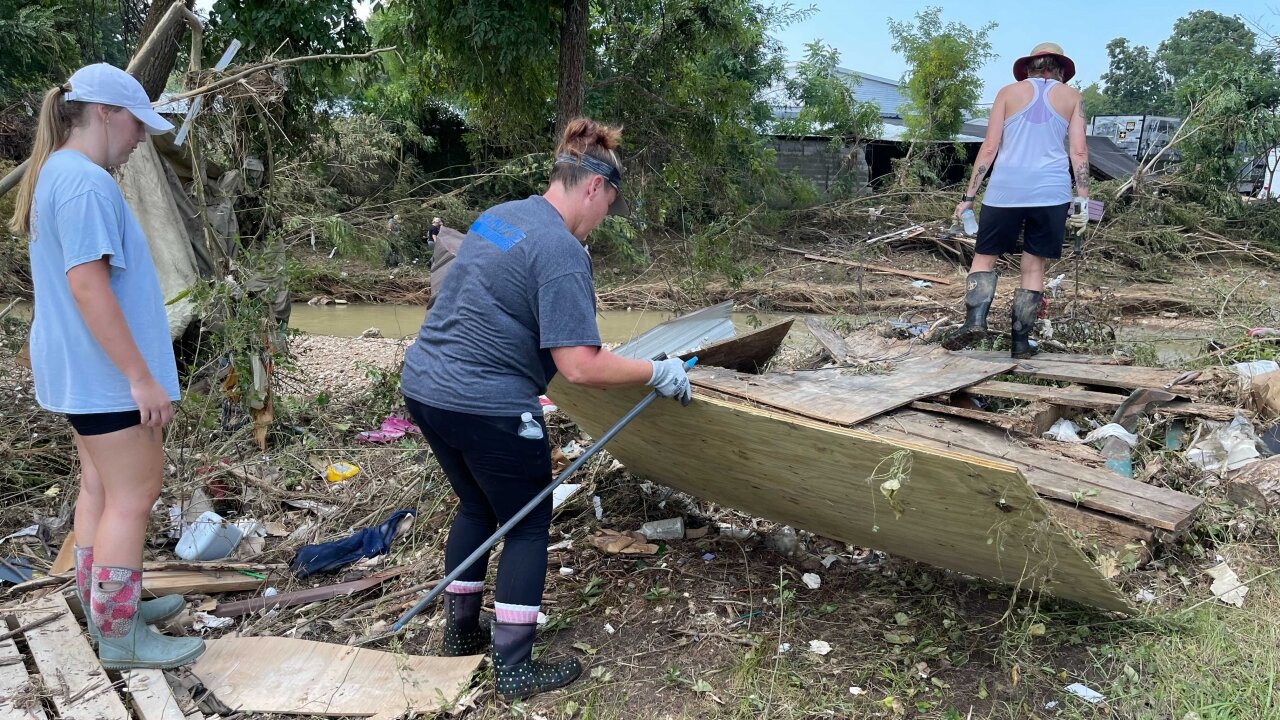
979, 173
1082, 176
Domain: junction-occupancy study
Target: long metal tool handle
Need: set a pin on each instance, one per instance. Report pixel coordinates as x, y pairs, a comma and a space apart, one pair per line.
524, 511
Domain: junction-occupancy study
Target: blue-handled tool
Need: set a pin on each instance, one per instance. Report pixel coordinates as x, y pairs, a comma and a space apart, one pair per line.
524, 511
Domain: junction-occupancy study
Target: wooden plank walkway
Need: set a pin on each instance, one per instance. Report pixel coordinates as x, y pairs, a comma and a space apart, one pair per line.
67, 673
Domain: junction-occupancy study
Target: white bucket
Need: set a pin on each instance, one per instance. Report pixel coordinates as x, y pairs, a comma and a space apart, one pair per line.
208, 538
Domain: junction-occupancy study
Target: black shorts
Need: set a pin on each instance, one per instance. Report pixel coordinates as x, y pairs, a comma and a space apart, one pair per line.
1043, 230
103, 423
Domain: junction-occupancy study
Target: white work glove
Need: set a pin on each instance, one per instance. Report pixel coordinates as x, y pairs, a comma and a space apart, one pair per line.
1079, 216
669, 379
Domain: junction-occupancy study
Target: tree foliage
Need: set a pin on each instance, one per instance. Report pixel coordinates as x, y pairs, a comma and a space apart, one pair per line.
1135, 82
942, 82
46, 40
827, 100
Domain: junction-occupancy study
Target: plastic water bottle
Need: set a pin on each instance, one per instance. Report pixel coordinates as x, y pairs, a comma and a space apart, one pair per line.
529, 429
970, 222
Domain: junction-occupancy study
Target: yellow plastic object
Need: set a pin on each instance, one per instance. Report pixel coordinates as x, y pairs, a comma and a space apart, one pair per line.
338, 472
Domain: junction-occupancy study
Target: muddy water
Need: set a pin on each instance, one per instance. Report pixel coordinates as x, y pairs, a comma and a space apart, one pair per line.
400, 320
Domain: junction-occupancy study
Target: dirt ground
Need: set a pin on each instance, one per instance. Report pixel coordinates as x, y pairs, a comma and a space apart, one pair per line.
726, 625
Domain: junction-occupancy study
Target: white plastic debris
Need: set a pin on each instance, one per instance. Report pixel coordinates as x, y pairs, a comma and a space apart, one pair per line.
205, 621
921, 284
1220, 447
811, 581
1249, 370
270, 592
1112, 430
1051, 705
608, 627
829, 560
598, 507
1226, 585
784, 648
855, 691
1085, 693
566, 571
1063, 431
819, 647
542, 619
1052, 285
1144, 596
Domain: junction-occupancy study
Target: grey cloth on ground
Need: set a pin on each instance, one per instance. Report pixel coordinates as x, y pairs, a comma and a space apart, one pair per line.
520, 286
669, 379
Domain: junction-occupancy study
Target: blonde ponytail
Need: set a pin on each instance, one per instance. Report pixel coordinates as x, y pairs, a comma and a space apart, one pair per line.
57, 117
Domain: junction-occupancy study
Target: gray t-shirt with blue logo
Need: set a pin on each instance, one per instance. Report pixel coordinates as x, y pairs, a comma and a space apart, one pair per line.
521, 285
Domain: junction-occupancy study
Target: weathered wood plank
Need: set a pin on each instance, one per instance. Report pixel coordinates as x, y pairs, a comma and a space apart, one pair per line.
69, 667
747, 353
151, 696
955, 511
880, 268
1117, 376
828, 339
1007, 423
14, 684
840, 396
181, 582
1050, 475
1078, 397
996, 355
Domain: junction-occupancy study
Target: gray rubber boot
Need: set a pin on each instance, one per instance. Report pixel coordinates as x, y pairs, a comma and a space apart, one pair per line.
980, 291
1025, 310
517, 675
143, 647
464, 634
152, 611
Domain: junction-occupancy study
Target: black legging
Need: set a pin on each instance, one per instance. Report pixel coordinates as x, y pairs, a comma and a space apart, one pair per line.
494, 473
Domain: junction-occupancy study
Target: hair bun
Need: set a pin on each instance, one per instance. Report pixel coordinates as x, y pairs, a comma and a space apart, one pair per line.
582, 135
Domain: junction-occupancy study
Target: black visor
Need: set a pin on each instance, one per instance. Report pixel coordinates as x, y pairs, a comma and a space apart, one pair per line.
610, 173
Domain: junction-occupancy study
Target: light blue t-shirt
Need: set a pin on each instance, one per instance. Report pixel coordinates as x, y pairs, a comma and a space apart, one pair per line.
79, 215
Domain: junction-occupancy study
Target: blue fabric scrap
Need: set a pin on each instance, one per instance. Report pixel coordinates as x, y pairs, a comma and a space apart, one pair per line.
335, 555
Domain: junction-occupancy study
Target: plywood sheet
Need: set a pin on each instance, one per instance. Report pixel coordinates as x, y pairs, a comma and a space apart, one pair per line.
151, 696
14, 686
847, 397
1126, 377
954, 511
301, 677
68, 665
747, 353
996, 355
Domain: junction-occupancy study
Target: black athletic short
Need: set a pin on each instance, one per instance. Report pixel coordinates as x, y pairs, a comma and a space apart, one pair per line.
1043, 230
103, 423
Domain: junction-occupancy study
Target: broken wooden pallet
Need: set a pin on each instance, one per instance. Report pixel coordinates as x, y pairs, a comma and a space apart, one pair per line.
51, 671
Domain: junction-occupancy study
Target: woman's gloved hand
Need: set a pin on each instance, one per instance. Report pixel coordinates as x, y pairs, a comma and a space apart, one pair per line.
670, 380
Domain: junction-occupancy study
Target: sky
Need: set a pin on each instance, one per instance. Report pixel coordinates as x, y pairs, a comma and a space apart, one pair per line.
859, 29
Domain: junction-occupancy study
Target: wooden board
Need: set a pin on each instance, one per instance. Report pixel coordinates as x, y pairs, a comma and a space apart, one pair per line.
68, 665
828, 339
955, 511
840, 396
747, 353
996, 355
301, 677
14, 685
874, 268
65, 562
150, 695
1077, 397
308, 595
1118, 376
181, 582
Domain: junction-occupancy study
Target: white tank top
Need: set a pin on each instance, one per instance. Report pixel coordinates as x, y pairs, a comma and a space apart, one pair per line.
1032, 167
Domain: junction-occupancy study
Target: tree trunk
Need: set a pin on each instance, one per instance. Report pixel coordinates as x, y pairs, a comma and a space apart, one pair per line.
573, 54
154, 76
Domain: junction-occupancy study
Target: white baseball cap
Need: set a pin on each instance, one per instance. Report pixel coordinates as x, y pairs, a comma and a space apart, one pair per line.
109, 85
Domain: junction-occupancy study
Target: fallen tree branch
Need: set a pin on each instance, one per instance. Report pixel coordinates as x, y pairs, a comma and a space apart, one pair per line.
270, 64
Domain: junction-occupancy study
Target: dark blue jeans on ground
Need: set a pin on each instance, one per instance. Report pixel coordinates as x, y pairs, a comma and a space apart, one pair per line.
494, 472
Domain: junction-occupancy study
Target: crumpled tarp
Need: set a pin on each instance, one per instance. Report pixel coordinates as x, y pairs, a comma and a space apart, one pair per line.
335, 555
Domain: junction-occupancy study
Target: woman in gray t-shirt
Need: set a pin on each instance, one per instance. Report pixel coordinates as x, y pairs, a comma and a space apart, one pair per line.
518, 306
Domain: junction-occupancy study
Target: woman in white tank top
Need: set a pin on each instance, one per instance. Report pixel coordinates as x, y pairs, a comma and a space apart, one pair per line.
1030, 190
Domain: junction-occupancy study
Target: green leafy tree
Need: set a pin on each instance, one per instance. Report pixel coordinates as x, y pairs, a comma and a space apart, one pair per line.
1135, 82
1096, 102
827, 100
44, 41
1205, 42
942, 83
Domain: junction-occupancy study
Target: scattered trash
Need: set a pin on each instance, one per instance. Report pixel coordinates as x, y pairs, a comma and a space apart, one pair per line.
1112, 430
811, 581
921, 284
392, 428
1051, 705
566, 571
1260, 332
547, 406
1063, 431
735, 533
542, 619
828, 561
608, 627
14, 570
1085, 693
1249, 370
696, 533
669, 529
1053, 285
614, 542
1224, 446
819, 647
784, 648
210, 537
340, 471
205, 621
562, 493
319, 508
708, 557
572, 449
367, 543
598, 507
270, 592
1145, 596
855, 691
1226, 585
31, 531
1264, 393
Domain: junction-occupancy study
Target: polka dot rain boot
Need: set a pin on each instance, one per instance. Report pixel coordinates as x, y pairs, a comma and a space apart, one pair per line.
518, 675
152, 611
464, 634
124, 642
